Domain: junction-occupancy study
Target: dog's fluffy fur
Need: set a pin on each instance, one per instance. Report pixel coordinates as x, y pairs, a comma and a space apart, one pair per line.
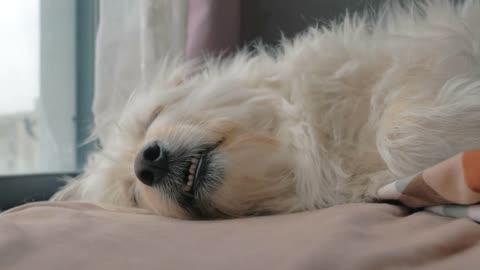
325, 119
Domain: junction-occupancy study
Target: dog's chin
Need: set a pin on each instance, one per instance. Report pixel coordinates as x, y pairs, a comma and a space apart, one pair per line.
195, 197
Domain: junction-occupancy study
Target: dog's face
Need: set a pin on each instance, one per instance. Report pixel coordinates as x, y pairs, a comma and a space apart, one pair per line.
214, 152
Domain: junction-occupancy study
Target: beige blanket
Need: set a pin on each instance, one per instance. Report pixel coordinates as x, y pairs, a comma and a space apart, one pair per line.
356, 236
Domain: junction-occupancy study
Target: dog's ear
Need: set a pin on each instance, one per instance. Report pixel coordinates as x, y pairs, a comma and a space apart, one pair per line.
70, 192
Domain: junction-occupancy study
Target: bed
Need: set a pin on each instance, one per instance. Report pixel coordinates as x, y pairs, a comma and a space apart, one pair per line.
353, 236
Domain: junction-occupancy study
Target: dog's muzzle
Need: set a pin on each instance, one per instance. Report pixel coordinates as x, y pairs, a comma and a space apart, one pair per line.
151, 164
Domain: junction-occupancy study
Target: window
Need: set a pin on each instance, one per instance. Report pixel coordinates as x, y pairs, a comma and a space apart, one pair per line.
46, 84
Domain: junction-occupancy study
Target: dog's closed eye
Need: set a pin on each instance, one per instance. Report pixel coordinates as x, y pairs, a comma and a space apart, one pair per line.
154, 116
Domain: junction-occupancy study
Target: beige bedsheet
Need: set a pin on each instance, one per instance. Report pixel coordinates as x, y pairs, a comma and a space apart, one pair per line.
356, 236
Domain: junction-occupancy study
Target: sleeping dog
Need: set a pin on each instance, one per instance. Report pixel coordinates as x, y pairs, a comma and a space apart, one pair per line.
324, 119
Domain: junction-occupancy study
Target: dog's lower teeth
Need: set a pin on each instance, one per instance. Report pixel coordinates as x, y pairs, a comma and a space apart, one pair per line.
195, 161
188, 186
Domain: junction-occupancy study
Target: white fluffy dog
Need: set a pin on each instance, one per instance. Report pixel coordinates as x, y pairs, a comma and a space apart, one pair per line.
325, 119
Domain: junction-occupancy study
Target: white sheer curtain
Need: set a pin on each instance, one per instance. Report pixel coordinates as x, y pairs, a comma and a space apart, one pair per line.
133, 36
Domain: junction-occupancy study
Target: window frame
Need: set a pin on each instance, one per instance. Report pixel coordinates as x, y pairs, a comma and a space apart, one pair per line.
22, 188
87, 25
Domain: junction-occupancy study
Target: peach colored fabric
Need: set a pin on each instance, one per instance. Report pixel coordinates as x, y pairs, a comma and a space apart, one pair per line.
447, 179
356, 236
471, 167
449, 188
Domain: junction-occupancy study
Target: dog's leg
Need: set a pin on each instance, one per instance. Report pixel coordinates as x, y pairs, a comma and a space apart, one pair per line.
421, 135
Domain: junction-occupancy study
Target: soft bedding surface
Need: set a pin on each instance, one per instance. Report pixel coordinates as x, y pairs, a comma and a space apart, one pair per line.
354, 236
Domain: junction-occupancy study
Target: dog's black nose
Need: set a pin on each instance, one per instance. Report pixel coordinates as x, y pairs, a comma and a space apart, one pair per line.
151, 163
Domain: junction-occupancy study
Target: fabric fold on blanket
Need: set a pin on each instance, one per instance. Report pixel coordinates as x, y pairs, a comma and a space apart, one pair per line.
450, 188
